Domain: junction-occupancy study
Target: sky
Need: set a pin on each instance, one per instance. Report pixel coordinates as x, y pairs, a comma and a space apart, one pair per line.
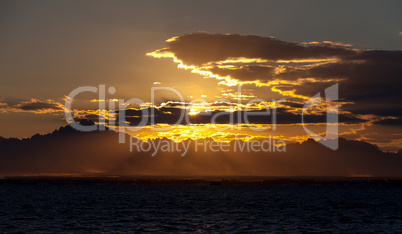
49, 48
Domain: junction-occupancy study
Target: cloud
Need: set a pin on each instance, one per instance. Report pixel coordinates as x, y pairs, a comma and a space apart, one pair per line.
33, 106
2, 103
288, 113
201, 48
247, 72
369, 80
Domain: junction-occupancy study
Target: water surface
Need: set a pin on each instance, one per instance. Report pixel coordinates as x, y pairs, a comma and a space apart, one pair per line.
122, 208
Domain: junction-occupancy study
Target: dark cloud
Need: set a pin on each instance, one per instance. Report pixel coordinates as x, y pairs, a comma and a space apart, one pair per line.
372, 83
181, 116
246, 73
368, 79
34, 106
201, 48
391, 122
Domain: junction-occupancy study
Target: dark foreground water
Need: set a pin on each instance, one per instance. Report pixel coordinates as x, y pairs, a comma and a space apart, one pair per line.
120, 208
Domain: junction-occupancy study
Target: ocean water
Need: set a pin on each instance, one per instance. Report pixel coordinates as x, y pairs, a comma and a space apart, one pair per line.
122, 208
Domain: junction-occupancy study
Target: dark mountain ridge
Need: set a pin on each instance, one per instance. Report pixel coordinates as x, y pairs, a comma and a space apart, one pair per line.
66, 151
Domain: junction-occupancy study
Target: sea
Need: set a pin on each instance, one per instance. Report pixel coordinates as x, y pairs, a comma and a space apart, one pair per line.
44, 208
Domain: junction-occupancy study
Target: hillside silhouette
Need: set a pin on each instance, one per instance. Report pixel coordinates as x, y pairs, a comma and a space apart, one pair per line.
69, 152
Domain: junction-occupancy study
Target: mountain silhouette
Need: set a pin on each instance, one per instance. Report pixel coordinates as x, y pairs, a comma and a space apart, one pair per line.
66, 151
